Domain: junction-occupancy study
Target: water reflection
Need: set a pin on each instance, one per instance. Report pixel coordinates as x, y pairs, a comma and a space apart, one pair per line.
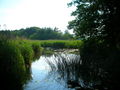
42, 76
63, 71
68, 69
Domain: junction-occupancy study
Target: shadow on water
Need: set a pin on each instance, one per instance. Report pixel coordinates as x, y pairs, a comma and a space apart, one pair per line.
42, 78
62, 71
69, 68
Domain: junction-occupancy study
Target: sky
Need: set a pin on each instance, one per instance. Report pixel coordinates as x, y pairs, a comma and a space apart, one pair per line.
16, 14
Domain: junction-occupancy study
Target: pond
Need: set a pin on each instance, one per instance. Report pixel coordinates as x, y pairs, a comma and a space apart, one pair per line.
45, 77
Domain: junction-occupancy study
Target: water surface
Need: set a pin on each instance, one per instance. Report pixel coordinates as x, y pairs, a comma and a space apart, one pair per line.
42, 78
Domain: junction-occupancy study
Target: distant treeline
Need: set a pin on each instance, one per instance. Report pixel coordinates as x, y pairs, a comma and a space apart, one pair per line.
36, 33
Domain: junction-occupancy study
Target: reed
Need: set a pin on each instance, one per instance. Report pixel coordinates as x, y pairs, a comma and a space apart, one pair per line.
67, 67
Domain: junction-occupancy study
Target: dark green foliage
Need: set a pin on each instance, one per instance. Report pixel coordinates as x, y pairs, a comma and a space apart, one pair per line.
36, 33
11, 65
97, 22
48, 51
37, 50
67, 35
27, 53
97, 18
16, 57
61, 44
101, 63
7, 34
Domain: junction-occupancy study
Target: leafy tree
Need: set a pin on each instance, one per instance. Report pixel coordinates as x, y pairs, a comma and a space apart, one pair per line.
37, 33
67, 35
97, 22
97, 18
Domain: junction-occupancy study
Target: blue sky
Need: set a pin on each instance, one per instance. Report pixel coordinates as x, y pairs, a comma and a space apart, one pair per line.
18, 14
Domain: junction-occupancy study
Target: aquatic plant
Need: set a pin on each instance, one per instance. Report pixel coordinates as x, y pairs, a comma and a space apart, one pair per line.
67, 67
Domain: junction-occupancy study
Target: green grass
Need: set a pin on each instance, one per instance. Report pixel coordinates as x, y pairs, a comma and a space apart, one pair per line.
12, 66
61, 44
16, 56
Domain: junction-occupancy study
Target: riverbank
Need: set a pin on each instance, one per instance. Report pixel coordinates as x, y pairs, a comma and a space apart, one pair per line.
16, 56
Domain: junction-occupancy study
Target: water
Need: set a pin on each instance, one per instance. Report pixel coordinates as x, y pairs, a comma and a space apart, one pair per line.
42, 78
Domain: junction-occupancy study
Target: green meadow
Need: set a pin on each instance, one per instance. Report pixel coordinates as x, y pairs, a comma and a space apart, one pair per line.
61, 44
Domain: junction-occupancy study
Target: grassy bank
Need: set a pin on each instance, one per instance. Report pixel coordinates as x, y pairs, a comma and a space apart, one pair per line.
16, 56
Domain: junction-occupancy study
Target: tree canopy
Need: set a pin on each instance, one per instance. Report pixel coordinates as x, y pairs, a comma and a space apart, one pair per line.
97, 22
36, 33
96, 18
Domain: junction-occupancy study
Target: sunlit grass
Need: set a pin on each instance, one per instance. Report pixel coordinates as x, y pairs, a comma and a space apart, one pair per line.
61, 44
16, 56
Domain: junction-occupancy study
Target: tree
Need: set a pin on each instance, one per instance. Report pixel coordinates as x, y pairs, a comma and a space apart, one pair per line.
97, 21
97, 18
36, 33
67, 35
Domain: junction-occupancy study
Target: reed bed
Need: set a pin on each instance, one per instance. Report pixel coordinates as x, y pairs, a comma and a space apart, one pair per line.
67, 67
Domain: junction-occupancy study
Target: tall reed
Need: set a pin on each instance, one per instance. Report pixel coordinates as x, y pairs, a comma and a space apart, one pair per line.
67, 67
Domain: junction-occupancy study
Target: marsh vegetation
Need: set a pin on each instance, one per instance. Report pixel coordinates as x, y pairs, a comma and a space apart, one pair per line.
16, 56
15, 61
96, 27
